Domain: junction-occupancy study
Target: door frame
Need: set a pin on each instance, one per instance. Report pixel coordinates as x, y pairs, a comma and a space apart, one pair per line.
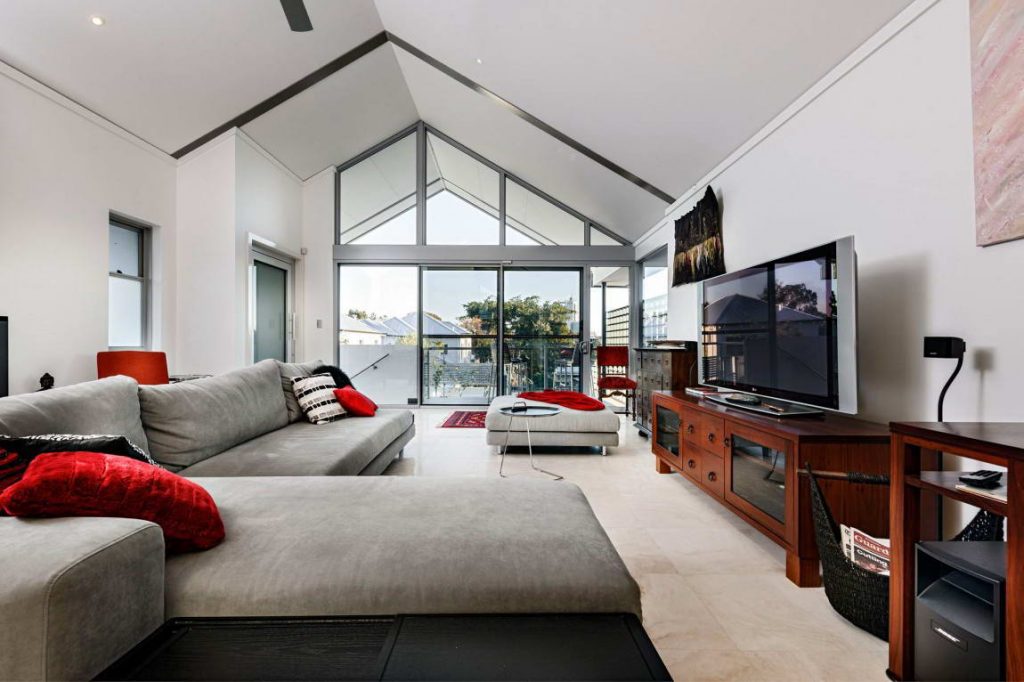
284, 262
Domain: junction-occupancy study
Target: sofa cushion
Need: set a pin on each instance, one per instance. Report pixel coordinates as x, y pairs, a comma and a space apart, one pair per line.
93, 484
107, 406
76, 594
306, 546
341, 448
17, 452
192, 420
355, 403
316, 398
289, 371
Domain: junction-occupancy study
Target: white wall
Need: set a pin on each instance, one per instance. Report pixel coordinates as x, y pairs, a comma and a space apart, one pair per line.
61, 172
208, 334
885, 154
318, 238
228, 191
268, 205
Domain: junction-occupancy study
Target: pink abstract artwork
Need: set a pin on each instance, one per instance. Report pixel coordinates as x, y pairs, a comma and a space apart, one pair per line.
997, 74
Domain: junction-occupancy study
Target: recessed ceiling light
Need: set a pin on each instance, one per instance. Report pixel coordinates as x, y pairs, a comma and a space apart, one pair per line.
479, 61
97, 20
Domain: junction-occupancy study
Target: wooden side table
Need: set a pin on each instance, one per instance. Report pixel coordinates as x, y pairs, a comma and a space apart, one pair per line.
913, 445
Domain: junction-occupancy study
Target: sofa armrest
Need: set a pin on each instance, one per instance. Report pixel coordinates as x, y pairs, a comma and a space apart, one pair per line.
76, 594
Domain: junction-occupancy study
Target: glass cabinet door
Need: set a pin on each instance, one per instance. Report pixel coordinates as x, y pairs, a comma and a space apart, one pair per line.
667, 430
759, 476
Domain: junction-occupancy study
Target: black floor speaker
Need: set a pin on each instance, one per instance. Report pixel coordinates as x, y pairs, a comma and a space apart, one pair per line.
959, 611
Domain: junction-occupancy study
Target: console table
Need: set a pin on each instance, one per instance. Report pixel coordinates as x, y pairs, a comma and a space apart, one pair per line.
914, 445
751, 462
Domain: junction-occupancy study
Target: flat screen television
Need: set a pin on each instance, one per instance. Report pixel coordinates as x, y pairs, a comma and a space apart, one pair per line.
785, 329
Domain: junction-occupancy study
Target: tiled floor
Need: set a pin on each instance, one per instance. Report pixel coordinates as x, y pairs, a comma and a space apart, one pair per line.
715, 597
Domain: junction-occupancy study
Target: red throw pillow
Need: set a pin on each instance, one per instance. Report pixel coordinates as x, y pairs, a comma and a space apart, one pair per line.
355, 403
93, 484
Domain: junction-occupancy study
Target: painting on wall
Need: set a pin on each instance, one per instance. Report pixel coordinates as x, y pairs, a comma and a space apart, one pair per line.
997, 83
698, 253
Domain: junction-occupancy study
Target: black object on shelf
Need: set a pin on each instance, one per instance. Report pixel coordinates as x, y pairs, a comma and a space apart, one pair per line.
959, 611
4, 386
945, 347
982, 478
472, 647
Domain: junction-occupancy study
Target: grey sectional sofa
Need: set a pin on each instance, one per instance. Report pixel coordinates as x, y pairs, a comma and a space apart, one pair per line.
79, 592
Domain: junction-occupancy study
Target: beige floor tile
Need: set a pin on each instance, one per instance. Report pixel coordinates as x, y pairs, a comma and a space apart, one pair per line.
716, 601
715, 665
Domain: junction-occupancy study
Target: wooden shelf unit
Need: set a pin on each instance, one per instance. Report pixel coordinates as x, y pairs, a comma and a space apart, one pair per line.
661, 368
913, 485
703, 451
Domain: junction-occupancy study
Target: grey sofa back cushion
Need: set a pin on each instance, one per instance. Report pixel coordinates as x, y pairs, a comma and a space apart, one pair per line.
289, 371
190, 421
109, 406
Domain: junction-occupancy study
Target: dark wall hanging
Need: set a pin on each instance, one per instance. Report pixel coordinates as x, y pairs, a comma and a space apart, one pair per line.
699, 252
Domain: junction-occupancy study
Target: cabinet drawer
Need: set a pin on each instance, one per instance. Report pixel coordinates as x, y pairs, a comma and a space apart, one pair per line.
711, 474
691, 426
712, 434
692, 461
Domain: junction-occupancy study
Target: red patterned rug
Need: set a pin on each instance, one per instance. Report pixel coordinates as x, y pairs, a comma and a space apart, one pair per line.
465, 419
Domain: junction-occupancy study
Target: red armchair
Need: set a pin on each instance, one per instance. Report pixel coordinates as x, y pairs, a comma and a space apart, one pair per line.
613, 375
145, 366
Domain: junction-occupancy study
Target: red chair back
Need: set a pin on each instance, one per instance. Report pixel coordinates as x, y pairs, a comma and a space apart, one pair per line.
613, 356
145, 366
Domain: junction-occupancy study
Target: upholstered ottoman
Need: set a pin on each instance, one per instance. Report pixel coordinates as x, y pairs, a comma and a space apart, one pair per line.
569, 428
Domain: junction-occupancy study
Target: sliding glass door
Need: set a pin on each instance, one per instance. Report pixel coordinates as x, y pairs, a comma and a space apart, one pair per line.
377, 330
542, 329
460, 333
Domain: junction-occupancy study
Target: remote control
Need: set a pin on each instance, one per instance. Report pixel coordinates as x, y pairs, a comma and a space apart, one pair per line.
983, 478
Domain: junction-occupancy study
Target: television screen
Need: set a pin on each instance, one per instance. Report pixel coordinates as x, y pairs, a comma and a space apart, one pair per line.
774, 329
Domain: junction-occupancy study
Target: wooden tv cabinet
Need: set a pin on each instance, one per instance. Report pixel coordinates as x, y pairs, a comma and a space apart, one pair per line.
751, 463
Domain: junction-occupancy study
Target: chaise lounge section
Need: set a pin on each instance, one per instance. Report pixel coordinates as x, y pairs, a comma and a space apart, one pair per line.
79, 592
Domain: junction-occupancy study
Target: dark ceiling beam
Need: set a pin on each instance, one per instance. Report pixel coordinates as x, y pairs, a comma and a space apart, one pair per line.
295, 88
383, 38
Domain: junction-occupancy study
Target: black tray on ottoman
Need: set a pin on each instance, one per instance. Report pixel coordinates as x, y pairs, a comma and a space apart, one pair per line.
472, 647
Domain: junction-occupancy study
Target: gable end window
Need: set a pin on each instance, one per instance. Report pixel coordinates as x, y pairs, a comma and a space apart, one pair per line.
128, 286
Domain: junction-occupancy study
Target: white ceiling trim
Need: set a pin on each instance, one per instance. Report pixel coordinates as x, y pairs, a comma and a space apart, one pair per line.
74, 107
892, 29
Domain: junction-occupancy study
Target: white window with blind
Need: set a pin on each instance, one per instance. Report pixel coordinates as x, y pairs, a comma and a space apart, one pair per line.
128, 286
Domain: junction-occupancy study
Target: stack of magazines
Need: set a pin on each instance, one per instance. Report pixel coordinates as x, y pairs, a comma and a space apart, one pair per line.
867, 552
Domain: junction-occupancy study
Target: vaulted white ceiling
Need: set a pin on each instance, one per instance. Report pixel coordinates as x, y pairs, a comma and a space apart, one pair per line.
664, 88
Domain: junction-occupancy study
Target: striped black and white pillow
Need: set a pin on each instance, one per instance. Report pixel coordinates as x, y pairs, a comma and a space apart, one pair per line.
316, 398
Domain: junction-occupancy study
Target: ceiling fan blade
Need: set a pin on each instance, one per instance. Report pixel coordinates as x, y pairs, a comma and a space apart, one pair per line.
297, 16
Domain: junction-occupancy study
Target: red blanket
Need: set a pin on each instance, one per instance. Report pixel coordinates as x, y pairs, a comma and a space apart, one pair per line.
570, 399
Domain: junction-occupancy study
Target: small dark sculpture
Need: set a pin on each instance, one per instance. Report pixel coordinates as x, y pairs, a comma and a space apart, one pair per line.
341, 379
45, 382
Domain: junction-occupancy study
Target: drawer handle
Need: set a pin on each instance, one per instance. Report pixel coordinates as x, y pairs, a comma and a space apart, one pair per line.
711, 438
689, 428
691, 463
726, 442
712, 476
